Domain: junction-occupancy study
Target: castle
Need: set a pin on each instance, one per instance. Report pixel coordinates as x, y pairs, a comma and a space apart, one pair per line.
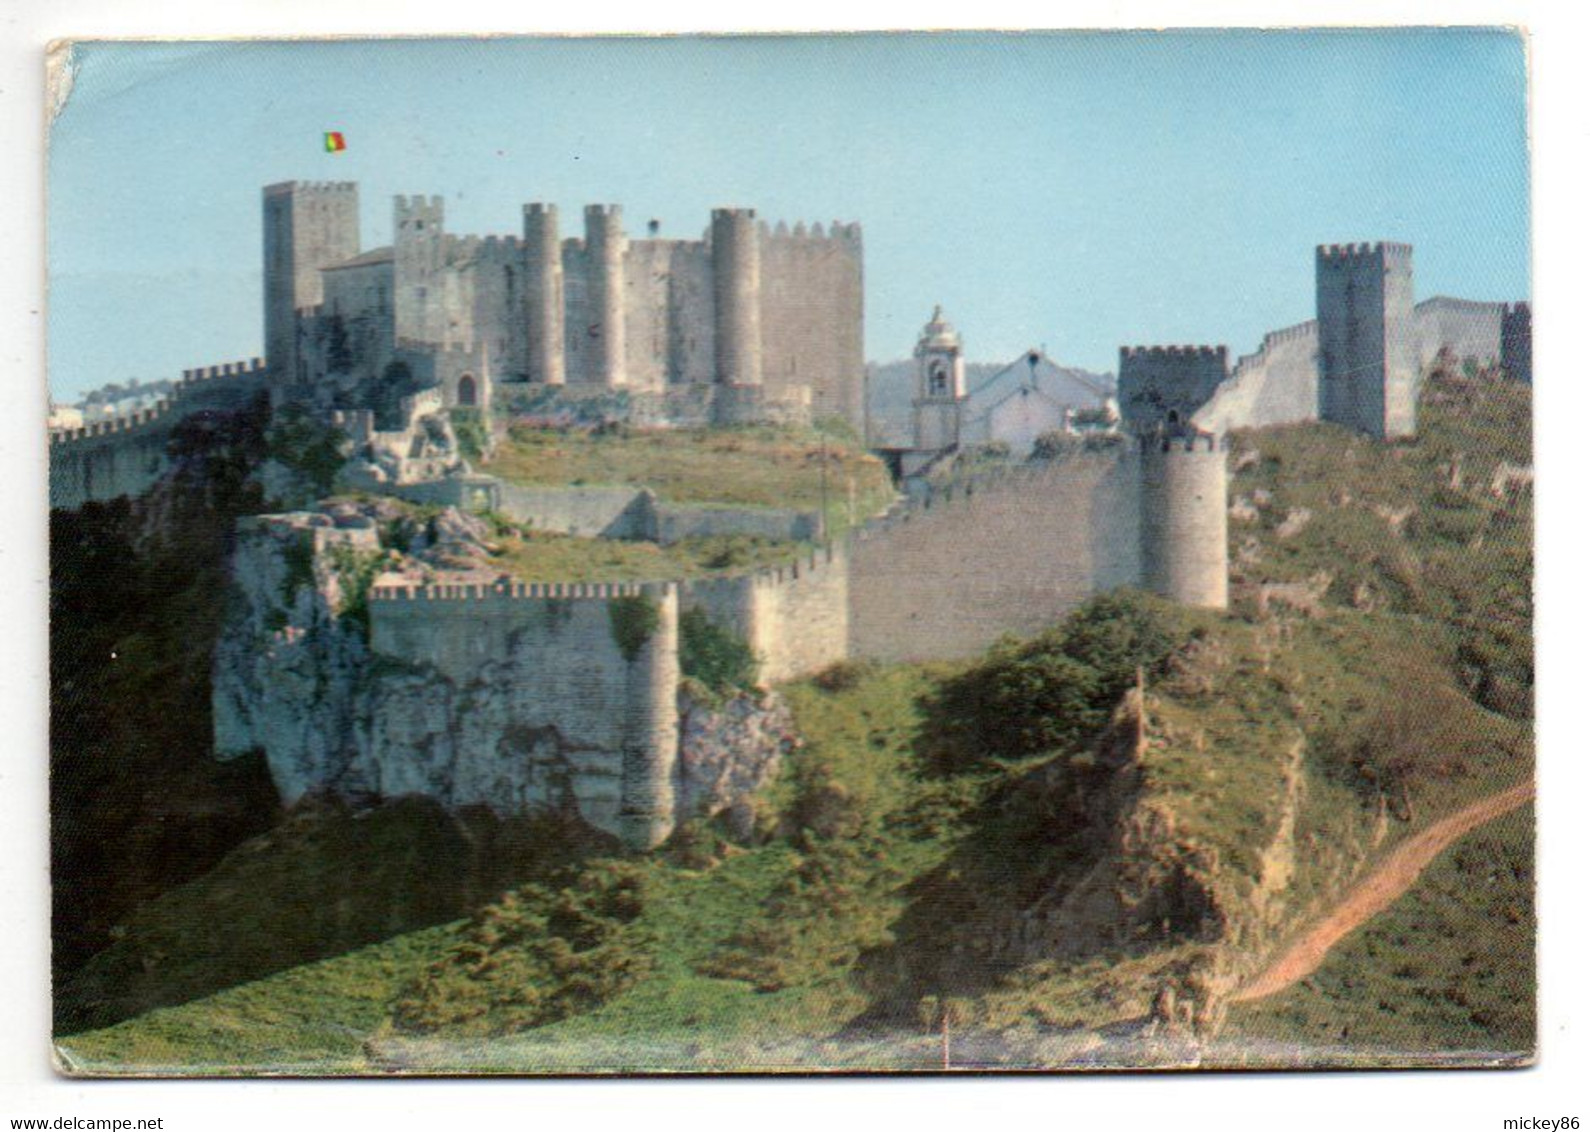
750, 322
525, 695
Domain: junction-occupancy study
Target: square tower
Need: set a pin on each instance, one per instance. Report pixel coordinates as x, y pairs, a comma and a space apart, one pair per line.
308, 225
1164, 386
1368, 348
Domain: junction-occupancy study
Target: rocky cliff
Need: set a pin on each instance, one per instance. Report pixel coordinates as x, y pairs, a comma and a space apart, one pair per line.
297, 677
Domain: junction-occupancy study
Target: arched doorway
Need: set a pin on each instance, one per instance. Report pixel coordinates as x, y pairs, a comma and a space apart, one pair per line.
466, 391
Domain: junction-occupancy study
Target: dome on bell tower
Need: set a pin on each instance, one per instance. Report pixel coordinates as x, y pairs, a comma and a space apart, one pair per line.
938, 334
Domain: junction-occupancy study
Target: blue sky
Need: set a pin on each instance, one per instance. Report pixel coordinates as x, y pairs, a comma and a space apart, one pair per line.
1079, 191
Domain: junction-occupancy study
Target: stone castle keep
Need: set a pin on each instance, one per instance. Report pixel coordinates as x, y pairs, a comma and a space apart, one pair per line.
523, 696
749, 322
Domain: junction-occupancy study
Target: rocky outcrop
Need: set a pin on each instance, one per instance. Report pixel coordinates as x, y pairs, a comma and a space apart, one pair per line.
730, 751
297, 677
291, 673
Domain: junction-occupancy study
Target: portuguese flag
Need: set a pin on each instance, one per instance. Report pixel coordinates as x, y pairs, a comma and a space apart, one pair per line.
335, 142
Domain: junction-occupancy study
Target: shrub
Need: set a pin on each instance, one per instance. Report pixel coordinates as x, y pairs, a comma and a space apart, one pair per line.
310, 448
539, 954
844, 675
714, 656
818, 920
355, 571
1055, 691
1050, 445
470, 429
634, 619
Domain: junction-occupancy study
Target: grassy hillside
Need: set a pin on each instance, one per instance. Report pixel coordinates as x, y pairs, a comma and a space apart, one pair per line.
922, 870
1431, 528
321, 882
754, 467
1024, 851
1449, 970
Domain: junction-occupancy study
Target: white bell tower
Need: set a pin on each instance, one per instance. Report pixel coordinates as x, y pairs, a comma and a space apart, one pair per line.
940, 386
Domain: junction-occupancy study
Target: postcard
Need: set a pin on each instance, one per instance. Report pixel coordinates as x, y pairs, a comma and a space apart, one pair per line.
869, 553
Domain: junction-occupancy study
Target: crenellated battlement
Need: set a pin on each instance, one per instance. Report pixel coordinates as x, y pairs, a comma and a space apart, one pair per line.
418, 202
822, 558
1169, 442
1174, 353
288, 188
252, 367
1344, 253
116, 425
815, 235
189, 386
504, 589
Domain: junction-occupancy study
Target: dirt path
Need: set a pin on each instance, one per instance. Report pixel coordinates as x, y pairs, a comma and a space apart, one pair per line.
1394, 876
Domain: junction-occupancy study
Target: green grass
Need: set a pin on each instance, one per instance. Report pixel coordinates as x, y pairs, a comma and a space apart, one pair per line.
1446, 971
537, 556
750, 467
1463, 559
322, 882
1284, 755
314, 1018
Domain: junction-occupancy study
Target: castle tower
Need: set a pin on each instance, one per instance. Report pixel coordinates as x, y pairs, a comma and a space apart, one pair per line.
543, 294
650, 725
605, 246
1369, 351
1183, 525
940, 386
308, 225
418, 252
1163, 386
737, 291
1517, 343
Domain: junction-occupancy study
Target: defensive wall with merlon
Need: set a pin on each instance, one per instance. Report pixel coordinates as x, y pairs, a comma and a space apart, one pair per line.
125, 456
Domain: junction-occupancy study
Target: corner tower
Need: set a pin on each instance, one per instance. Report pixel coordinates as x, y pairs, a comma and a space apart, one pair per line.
1183, 529
940, 386
1369, 351
307, 225
1517, 352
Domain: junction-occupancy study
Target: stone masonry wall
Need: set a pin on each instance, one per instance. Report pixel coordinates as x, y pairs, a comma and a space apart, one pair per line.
107, 459
795, 618
1009, 553
1276, 384
537, 700
1467, 328
812, 316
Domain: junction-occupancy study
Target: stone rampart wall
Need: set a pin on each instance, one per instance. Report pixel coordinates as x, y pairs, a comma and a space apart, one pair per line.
949, 574
795, 618
632, 513
583, 680
108, 459
1276, 384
